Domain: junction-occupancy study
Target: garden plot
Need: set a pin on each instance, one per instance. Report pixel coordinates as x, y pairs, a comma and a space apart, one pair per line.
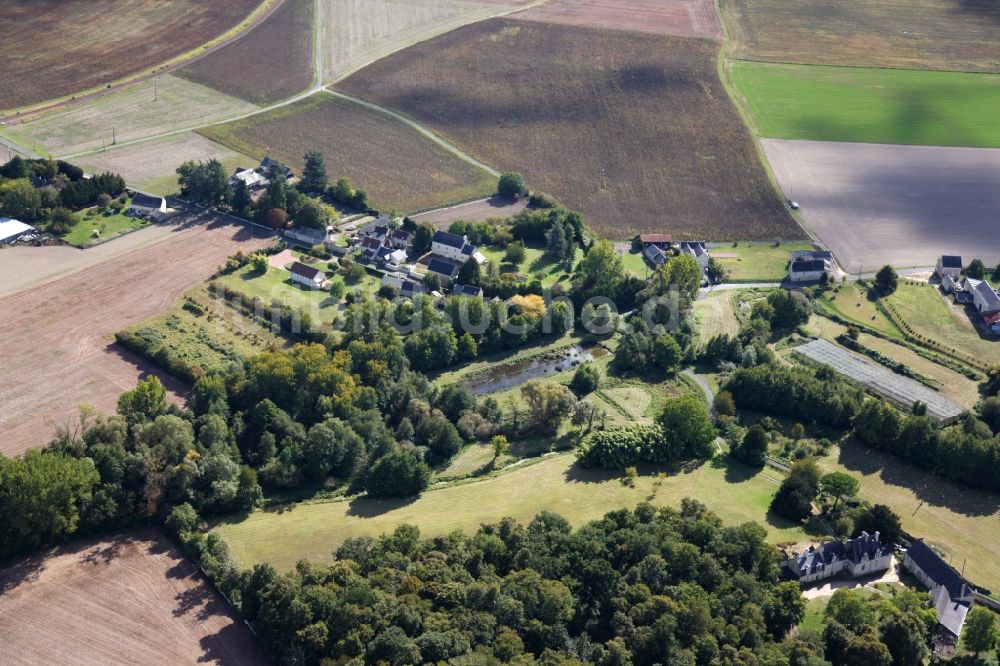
886, 383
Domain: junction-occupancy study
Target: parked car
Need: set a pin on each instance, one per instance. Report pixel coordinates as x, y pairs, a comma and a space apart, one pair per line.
794, 205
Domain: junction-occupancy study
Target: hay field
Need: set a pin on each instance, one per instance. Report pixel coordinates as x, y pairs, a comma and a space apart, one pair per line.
152, 165
130, 599
53, 48
144, 109
870, 105
313, 531
357, 32
397, 166
269, 63
919, 34
684, 18
901, 205
715, 316
632, 130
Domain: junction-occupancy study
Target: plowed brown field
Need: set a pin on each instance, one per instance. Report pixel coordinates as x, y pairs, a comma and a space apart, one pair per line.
132, 599
633, 130
56, 349
684, 18
53, 48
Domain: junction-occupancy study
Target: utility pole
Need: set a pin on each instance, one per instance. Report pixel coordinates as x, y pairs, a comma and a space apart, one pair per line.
156, 88
114, 134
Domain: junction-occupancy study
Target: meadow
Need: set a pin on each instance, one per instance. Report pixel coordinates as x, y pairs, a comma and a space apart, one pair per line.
714, 315
930, 315
269, 63
394, 164
535, 265
632, 130
852, 303
94, 43
869, 105
918, 34
152, 165
142, 110
311, 531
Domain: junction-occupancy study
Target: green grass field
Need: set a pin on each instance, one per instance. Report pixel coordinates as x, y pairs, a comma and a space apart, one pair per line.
851, 302
931, 315
715, 316
313, 531
756, 262
869, 105
109, 226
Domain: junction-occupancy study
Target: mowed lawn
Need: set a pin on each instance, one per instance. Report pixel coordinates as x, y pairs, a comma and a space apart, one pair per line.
312, 531
108, 226
535, 264
852, 303
957, 35
932, 316
635, 131
756, 262
961, 522
870, 105
277, 284
398, 167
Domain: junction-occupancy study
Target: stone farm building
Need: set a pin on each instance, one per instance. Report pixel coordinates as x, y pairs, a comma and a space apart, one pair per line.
951, 595
856, 558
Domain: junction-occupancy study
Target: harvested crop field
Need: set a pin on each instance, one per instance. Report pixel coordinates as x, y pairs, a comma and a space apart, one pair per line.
919, 34
684, 18
145, 109
715, 316
56, 349
633, 130
397, 166
131, 599
152, 165
870, 105
473, 211
95, 42
357, 32
901, 205
269, 63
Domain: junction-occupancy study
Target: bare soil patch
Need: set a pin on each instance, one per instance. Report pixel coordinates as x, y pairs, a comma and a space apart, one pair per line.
684, 18
54, 48
473, 211
633, 130
269, 63
875, 204
393, 163
56, 349
919, 34
132, 599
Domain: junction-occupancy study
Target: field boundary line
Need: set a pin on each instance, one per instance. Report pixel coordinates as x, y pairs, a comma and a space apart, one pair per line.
251, 21
881, 67
423, 131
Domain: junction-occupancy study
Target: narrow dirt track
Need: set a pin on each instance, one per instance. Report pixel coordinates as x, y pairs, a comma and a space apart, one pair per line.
56, 344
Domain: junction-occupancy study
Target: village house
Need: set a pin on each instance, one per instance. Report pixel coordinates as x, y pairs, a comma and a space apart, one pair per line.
144, 205
454, 247
306, 235
951, 595
855, 558
406, 287
307, 275
655, 255
698, 250
948, 265
809, 265
467, 290
979, 294
446, 270
12, 230
250, 177
273, 168
399, 239
390, 257
661, 241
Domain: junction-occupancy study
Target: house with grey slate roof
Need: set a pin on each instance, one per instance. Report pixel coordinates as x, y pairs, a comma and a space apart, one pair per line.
951, 594
855, 558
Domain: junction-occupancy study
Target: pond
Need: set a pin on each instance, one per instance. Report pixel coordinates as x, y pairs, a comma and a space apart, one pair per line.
506, 377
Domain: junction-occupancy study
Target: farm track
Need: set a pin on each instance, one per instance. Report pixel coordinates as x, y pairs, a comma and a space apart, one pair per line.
56, 345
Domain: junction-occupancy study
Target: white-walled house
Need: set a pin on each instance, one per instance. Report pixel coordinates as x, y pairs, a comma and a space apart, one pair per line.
856, 558
144, 205
948, 264
698, 250
308, 275
809, 265
452, 246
